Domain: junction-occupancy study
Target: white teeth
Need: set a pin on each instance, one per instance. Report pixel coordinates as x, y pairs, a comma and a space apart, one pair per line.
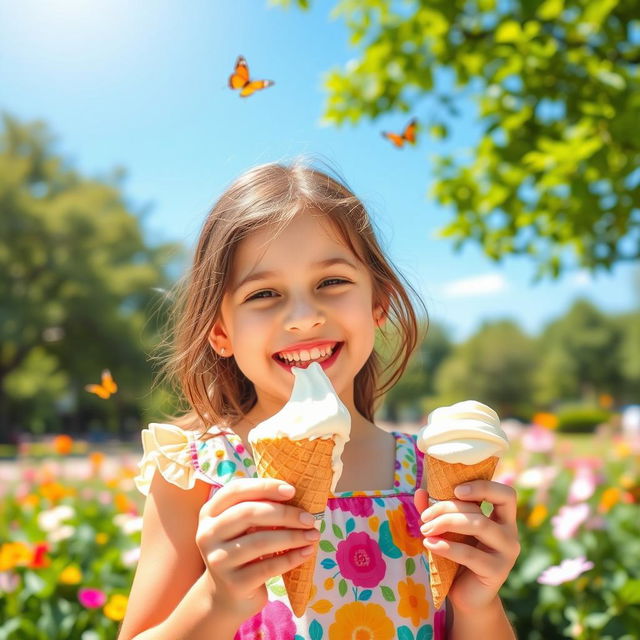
304, 355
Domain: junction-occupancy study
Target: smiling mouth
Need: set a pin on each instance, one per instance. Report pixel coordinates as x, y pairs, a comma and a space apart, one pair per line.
304, 357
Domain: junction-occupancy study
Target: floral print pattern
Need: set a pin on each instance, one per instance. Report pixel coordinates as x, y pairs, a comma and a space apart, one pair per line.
371, 577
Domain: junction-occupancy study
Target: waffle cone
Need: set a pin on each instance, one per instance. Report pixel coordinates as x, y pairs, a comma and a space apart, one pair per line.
442, 478
306, 465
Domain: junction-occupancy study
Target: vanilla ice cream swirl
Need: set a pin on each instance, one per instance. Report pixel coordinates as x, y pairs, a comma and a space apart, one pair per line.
314, 410
466, 432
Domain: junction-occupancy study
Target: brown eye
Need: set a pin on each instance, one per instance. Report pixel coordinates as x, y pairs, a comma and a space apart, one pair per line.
260, 295
334, 281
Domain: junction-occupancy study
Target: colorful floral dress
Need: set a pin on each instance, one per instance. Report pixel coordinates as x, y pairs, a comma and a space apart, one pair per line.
371, 577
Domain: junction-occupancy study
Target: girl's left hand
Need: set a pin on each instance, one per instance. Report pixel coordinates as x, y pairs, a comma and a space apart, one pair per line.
485, 565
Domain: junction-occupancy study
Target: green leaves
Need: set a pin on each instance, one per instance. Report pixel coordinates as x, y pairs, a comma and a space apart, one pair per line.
515, 61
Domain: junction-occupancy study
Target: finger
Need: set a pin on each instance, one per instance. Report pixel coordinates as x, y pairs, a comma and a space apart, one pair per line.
239, 518
483, 564
421, 500
263, 544
477, 525
245, 489
255, 574
450, 506
501, 496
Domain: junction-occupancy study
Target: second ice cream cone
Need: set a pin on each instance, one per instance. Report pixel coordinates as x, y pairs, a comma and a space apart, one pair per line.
442, 478
306, 465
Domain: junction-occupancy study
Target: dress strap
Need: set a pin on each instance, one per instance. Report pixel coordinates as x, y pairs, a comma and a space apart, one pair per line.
409, 463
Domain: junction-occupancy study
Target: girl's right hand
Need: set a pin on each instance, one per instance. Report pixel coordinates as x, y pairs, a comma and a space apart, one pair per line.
240, 531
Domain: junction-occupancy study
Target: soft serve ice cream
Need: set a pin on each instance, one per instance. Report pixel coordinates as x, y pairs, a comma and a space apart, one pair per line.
314, 410
466, 432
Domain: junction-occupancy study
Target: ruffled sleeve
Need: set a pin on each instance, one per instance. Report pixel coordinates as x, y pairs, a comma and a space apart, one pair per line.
182, 457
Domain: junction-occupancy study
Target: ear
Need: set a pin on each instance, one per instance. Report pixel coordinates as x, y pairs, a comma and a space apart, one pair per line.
219, 340
379, 314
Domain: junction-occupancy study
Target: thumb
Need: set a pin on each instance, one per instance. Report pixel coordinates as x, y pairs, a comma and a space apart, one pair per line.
421, 500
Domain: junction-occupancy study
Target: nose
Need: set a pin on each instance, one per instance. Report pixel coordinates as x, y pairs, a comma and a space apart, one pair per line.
304, 315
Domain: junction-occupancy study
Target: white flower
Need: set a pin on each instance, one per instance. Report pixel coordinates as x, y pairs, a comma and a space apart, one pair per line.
61, 533
130, 557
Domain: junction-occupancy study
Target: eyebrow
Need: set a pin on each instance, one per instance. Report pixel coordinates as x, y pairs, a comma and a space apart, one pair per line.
263, 275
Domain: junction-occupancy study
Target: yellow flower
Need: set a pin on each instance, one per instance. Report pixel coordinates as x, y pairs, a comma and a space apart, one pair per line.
402, 538
70, 575
101, 538
14, 554
328, 583
116, 607
374, 523
537, 516
360, 621
413, 601
29, 501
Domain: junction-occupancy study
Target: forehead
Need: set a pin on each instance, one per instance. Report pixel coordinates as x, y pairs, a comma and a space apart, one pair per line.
310, 237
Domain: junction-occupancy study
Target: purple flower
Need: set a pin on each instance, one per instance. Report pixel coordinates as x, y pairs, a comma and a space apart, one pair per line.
355, 506
360, 560
568, 519
91, 598
274, 622
412, 517
567, 570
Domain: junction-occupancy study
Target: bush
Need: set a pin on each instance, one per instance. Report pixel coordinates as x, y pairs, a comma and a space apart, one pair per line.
581, 419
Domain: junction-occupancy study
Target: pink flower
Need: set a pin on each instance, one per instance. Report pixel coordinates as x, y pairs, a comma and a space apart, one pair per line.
91, 598
354, 506
583, 485
567, 570
274, 622
360, 560
568, 519
538, 439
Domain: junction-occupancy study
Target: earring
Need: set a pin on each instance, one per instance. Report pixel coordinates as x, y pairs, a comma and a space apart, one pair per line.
222, 351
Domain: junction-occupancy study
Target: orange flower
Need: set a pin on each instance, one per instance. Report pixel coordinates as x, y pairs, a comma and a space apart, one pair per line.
537, 516
63, 444
402, 538
546, 420
96, 458
54, 491
360, 621
610, 497
606, 400
413, 601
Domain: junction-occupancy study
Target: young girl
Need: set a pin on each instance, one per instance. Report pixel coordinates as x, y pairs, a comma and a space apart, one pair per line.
288, 269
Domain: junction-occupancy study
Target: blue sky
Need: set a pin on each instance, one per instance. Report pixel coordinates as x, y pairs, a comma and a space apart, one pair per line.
143, 85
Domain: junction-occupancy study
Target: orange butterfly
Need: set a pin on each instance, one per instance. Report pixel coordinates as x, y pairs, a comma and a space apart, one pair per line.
106, 388
239, 79
408, 135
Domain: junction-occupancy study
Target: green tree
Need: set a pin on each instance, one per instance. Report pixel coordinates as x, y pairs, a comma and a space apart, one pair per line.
557, 88
579, 356
418, 380
494, 366
76, 290
628, 356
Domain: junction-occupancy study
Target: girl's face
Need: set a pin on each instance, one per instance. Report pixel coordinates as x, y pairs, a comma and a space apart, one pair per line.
298, 297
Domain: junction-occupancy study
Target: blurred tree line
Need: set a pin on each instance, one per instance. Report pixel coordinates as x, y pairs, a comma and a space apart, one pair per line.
584, 357
75, 295
82, 291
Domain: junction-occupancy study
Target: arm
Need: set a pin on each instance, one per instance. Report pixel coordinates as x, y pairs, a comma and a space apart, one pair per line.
203, 567
170, 582
490, 620
474, 607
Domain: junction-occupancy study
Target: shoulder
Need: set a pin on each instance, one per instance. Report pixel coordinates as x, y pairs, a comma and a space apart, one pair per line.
183, 456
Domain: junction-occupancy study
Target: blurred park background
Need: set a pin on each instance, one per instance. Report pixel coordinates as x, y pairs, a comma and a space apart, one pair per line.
515, 214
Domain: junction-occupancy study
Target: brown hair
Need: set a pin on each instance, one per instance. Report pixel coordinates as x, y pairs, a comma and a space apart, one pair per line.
216, 391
